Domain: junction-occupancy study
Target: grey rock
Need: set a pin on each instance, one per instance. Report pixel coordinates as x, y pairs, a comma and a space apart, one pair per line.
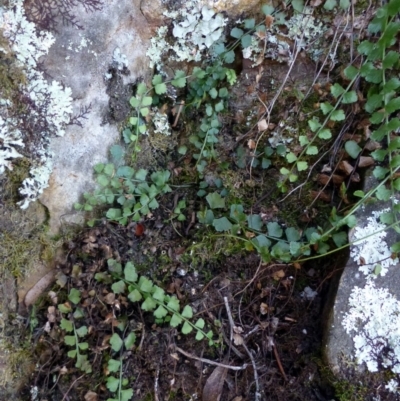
81, 59
338, 344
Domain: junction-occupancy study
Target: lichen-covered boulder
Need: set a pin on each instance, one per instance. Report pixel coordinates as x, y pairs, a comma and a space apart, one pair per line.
99, 63
363, 325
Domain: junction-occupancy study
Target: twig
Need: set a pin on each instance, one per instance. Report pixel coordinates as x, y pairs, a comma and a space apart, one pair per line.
253, 362
179, 113
70, 387
156, 384
228, 310
278, 360
204, 360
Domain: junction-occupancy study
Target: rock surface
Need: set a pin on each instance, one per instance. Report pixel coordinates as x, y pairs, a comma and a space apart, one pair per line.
339, 346
81, 59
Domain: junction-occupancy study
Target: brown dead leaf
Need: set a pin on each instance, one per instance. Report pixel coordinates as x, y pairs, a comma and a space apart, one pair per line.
51, 314
269, 19
109, 298
366, 161
53, 297
345, 167
91, 396
278, 274
264, 308
262, 125
251, 143
238, 398
315, 3
212, 390
237, 339
249, 234
321, 195
37, 290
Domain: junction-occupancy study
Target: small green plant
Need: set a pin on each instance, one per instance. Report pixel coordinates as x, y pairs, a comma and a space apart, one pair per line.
165, 308
69, 326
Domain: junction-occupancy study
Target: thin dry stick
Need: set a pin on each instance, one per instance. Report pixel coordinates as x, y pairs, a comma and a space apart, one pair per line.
70, 387
179, 113
210, 362
232, 324
253, 362
278, 360
156, 384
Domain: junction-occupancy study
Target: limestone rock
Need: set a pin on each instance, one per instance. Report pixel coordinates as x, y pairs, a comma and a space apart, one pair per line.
113, 42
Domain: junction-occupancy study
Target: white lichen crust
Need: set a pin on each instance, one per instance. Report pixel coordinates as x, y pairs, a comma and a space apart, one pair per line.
48, 106
369, 248
196, 29
373, 321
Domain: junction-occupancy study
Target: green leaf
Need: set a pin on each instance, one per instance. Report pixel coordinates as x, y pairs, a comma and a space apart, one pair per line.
186, 328
116, 342
249, 23
325, 133
391, 85
72, 354
292, 234
223, 92
291, 157
187, 312
141, 89
145, 284
340, 238
274, 230
359, 194
337, 90
245, 41
330, 5
349, 97
200, 323
383, 194
236, 33
393, 105
179, 80
391, 58
337, 115
267, 9
312, 150
314, 125
344, 4
380, 172
112, 384
215, 200
325, 108
134, 102
350, 72
130, 272
213, 93
160, 89
254, 221
160, 312
130, 340
126, 394
222, 224
113, 365
298, 5
387, 218
113, 214
82, 331
74, 296
352, 149
83, 346
175, 321
294, 248
301, 166
147, 101
144, 111
373, 102
64, 308
157, 79
395, 248
173, 304
70, 340
66, 325
149, 304
135, 296
118, 287
158, 294
102, 180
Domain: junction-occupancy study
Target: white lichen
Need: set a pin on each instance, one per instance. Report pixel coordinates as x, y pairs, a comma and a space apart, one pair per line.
369, 248
49, 103
161, 123
196, 29
373, 321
